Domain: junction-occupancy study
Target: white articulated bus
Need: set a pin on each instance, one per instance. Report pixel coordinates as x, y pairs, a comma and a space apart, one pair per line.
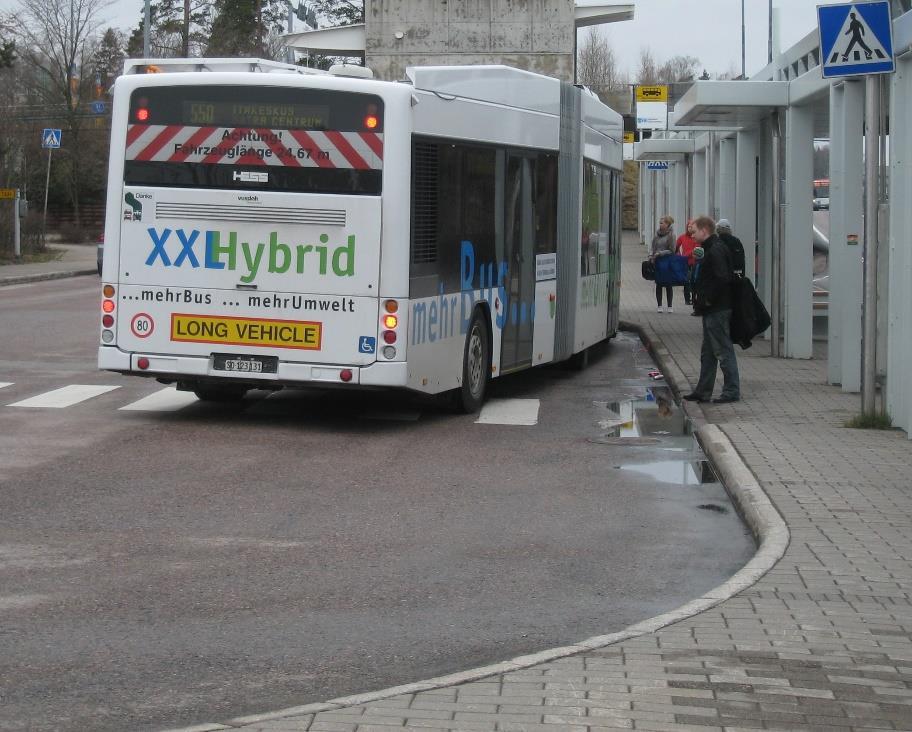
270, 226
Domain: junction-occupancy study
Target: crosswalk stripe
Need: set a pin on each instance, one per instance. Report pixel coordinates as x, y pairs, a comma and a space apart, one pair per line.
168, 399
5, 383
510, 411
66, 396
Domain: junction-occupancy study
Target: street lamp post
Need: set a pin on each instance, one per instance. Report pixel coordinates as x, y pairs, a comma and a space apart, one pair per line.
743, 73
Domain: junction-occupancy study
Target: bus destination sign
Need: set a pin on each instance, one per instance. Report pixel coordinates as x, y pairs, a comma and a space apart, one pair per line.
258, 114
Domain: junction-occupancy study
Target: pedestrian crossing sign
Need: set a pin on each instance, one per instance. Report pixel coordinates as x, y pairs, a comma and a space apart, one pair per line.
855, 39
50, 137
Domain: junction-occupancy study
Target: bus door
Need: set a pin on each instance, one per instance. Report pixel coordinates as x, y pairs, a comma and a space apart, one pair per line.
519, 257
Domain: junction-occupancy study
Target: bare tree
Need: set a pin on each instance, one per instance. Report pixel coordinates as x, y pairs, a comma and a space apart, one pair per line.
57, 42
678, 68
597, 65
648, 70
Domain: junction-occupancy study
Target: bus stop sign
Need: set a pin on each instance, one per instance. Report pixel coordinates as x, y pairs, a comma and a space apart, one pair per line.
856, 39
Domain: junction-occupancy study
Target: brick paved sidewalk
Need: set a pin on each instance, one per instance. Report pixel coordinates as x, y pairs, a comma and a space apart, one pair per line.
823, 641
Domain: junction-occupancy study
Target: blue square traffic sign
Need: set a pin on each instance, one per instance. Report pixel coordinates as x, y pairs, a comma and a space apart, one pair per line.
50, 137
855, 39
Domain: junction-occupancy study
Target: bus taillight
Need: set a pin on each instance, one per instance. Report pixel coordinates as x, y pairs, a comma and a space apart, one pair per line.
391, 306
390, 321
345, 375
107, 307
389, 336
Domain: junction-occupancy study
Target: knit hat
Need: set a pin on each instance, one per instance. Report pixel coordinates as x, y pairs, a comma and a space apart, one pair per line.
697, 253
724, 224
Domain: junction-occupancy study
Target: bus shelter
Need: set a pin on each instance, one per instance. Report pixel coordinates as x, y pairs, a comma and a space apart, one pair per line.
744, 150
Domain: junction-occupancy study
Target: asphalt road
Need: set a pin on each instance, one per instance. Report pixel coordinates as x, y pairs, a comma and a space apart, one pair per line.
163, 569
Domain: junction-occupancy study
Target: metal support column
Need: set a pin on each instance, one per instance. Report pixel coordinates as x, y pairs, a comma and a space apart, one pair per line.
899, 322
711, 176
700, 207
746, 199
728, 181
869, 327
797, 270
776, 244
765, 214
846, 228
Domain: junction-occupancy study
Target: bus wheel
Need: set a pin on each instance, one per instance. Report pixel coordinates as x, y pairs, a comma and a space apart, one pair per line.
476, 366
579, 361
223, 394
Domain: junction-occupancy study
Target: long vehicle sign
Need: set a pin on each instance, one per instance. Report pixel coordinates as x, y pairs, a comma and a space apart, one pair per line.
233, 331
248, 146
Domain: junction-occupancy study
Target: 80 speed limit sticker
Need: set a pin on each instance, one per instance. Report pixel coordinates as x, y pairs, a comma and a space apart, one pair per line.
142, 325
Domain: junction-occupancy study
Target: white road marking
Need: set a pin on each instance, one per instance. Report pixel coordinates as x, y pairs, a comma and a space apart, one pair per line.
509, 411
66, 396
168, 399
5, 383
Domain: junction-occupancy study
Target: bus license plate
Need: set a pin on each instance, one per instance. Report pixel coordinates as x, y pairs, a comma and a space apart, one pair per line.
245, 364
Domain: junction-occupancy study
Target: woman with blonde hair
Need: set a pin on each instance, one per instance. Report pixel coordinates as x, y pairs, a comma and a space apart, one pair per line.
663, 244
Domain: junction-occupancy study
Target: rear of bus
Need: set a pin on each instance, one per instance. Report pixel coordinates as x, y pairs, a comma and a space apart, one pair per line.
243, 232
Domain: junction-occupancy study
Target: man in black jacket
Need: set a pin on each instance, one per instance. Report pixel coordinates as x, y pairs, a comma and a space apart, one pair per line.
712, 300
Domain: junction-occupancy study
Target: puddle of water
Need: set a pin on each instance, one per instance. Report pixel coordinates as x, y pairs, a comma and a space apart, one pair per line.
652, 413
652, 418
679, 472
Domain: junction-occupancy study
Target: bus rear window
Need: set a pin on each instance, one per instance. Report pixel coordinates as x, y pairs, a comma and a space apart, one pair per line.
255, 138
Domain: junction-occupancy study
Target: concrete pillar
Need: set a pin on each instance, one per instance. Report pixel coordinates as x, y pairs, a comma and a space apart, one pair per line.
765, 217
699, 185
899, 318
797, 270
846, 220
727, 180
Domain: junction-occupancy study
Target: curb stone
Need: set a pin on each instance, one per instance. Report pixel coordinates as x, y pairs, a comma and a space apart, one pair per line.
763, 519
25, 279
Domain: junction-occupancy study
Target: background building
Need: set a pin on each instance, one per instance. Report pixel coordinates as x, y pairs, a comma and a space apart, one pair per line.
536, 35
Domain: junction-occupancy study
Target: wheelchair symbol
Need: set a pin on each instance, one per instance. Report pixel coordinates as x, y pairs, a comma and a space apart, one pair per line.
367, 344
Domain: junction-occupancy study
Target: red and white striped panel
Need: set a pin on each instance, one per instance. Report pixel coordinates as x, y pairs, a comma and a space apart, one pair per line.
247, 146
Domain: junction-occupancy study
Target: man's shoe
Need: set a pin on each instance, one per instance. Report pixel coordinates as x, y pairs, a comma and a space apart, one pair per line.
693, 397
725, 400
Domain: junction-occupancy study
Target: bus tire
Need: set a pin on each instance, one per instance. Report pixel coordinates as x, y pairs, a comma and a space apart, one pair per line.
579, 361
221, 394
476, 366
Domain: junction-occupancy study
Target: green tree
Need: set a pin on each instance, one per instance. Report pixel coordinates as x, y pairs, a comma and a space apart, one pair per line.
339, 12
179, 28
245, 27
7, 53
107, 61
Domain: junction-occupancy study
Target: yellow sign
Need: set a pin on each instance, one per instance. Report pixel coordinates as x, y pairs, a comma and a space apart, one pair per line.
629, 137
652, 93
7, 193
304, 335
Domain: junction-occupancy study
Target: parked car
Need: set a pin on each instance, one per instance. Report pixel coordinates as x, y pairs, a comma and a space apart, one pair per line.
100, 252
822, 204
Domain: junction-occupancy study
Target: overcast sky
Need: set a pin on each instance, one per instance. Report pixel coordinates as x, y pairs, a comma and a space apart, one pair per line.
708, 29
